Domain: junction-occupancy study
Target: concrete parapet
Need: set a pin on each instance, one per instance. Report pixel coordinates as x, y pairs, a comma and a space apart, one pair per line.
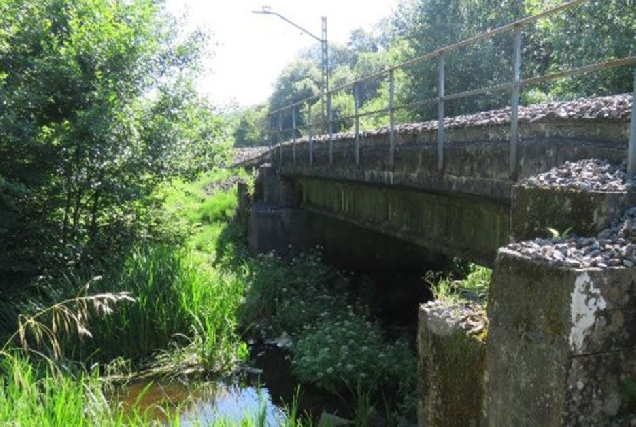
585, 213
451, 365
561, 343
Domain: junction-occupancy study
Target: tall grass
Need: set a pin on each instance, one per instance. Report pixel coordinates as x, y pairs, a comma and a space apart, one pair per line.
179, 298
472, 287
28, 397
181, 301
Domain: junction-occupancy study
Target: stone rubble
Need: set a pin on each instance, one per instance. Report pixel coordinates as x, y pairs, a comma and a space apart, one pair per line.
467, 316
245, 154
586, 175
616, 107
612, 247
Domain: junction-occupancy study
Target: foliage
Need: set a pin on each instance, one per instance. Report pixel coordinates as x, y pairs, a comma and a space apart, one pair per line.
473, 286
29, 397
335, 344
299, 81
628, 405
39, 333
595, 31
250, 128
176, 295
348, 351
181, 301
201, 209
97, 110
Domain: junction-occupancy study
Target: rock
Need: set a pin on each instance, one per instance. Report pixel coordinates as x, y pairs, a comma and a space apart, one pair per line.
329, 420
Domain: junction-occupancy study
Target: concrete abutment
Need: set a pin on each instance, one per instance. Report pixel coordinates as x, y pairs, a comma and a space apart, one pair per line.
560, 341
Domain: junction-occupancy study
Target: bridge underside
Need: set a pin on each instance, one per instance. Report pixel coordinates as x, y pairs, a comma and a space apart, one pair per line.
458, 226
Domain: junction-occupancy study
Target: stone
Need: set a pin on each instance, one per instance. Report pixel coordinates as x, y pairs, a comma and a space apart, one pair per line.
566, 337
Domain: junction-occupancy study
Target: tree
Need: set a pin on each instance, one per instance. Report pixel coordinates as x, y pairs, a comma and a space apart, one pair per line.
596, 31
250, 129
96, 110
299, 81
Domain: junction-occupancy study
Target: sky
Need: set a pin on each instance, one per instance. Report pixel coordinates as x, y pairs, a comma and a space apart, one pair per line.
250, 50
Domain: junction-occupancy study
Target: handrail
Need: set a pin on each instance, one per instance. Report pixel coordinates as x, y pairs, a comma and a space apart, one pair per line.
445, 49
515, 85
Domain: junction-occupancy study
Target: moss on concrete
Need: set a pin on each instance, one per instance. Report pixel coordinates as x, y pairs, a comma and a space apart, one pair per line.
585, 213
452, 365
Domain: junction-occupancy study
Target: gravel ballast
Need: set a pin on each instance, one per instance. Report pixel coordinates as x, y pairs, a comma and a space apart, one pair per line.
612, 247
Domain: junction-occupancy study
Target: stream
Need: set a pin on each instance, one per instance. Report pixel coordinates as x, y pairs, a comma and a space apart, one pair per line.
268, 393
269, 388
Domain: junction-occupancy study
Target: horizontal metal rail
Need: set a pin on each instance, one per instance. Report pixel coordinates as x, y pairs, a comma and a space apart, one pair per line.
500, 87
580, 70
445, 49
439, 55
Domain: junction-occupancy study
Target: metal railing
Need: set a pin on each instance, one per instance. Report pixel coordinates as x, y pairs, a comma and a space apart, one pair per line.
515, 85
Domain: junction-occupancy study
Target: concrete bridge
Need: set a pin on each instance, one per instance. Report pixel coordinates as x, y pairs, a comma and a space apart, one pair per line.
556, 344
395, 200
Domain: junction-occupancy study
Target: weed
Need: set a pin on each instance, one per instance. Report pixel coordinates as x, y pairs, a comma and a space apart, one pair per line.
473, 286
556, 234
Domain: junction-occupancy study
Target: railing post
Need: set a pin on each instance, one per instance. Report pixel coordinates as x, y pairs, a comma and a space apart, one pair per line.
356, 103
330, 128
514, 104
280, 138
631, 161
294, 135
269, 137
440, 111
310, 136
391, 119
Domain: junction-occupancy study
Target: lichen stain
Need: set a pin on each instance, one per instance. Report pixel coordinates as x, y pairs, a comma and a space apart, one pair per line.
586, 301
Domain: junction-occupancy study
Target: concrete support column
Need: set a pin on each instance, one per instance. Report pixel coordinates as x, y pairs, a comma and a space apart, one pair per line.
451, 364
275, 222
277, 190
535, 209
561, 343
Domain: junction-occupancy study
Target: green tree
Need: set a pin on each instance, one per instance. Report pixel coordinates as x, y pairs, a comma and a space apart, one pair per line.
299, 81
250, 129
96, 110
594, 32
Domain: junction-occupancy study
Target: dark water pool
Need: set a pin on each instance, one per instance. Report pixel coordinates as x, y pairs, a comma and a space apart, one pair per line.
266, 395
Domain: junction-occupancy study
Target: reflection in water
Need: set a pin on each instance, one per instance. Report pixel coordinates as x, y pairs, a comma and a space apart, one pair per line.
263, 396
233, 405
204, 405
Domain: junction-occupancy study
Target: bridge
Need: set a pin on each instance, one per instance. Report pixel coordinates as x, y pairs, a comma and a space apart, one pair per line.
448, 185
372, 208
470, 208
561, 334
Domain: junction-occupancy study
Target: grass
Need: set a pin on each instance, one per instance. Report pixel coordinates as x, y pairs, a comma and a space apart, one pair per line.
180, 301
191, 303
155, 303
28, 397
473, 285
